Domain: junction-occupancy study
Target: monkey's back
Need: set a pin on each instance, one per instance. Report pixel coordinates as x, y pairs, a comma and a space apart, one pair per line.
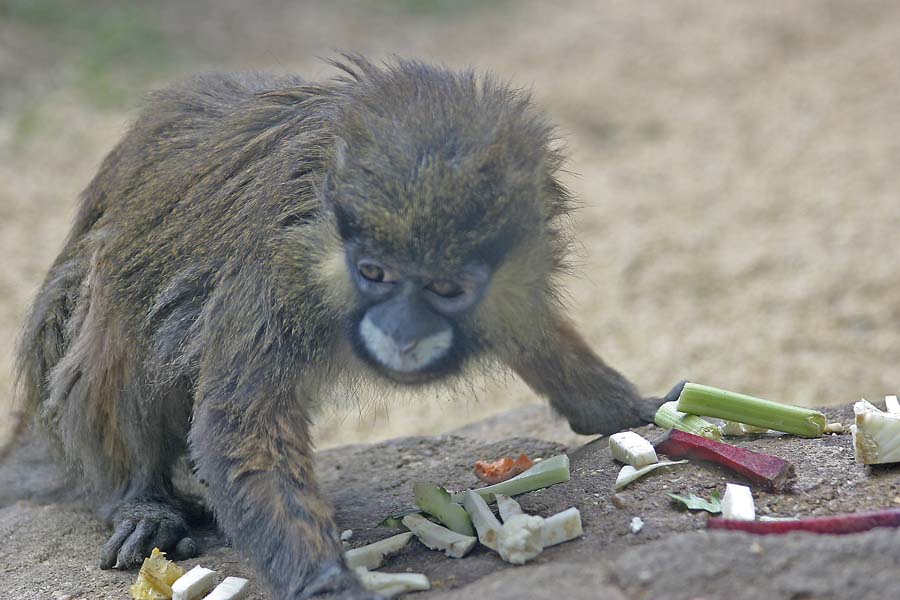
197, 189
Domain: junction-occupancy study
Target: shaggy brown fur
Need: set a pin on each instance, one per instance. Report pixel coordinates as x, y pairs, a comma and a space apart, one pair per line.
202, 301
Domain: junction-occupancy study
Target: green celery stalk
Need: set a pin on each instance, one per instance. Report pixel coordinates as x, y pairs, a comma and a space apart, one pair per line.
668, 417
548, 472
708, 401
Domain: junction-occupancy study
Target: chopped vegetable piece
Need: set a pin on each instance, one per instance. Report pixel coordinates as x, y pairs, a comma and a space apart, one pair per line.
155, 579
507, 506
776, 519
834, 428
436, 537
486, 524
631, 449
708, 401
346, 535
372, 556
501, 469
392, 584
435, 500
668, 417
636, 524
891, 404
770, 471
835, 524
543, 474
737, 503
876, 435
194, 584
629, 473
692, 502
561, 527
734, 428
521, 538
232, 588
396, 521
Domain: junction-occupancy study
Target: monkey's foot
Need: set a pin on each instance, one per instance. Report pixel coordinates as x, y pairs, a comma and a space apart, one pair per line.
142, 525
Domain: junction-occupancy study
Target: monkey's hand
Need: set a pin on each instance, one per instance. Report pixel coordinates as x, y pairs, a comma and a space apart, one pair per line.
140, 526
647, 407
334, 582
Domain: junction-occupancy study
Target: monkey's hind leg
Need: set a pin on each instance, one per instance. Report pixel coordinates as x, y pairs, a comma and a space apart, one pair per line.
121, 431
148, 512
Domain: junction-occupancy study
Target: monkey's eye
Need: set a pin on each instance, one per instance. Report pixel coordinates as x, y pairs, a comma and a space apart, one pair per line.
371, 272
445, 288
375, 273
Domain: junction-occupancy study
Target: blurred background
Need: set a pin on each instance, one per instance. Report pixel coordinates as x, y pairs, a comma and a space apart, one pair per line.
738, 162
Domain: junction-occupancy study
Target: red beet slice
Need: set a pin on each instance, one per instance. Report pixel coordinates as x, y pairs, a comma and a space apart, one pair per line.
834, 524
770, 471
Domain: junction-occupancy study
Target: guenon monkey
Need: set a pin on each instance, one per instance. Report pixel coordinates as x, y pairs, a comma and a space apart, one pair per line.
257, 245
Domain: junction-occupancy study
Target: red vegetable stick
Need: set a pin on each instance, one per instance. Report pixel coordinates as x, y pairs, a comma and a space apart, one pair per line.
770, 471
835, 524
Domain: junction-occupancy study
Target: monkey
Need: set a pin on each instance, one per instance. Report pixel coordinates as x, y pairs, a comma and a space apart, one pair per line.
257, 245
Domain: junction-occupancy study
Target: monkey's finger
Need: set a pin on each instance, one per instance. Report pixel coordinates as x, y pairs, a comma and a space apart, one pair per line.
136, 547
675, 392
110, 552
186, 548
168, 533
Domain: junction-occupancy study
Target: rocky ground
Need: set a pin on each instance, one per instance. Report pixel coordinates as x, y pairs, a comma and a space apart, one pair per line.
51, 545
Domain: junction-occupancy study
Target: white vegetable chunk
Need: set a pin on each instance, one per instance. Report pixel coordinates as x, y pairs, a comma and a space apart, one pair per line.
507, 506
392, 584
372, 556
521, 538
636, 524
232, 588
194, 584
876, 434
486, 524
346, 535
737, 503
629, 473
454, 545
630, 448
561, 527
892, 405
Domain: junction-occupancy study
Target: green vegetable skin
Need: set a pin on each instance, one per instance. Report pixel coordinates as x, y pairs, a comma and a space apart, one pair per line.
667, 417
548, 472
692, 502
436, 501
712, 402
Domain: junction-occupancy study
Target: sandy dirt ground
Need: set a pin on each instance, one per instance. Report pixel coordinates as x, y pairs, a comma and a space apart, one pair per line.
737, 162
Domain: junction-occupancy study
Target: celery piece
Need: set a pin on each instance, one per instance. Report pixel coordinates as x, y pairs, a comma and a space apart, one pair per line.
372, 556
435, 500
629, 473
507, 506
437, 537
876, 435
392, 584
561, 527
543, 474
668, 417
708, 401
486, 524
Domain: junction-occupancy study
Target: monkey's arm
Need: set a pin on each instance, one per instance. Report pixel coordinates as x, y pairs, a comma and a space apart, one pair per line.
594, 397
251, 446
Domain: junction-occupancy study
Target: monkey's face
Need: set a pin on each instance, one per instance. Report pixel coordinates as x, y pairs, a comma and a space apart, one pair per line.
409, 324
